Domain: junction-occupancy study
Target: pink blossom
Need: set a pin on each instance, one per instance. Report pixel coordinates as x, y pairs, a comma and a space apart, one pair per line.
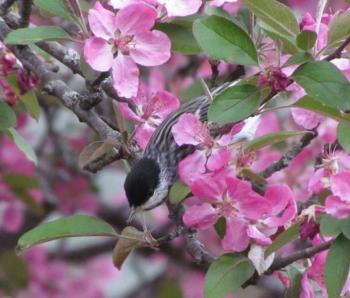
248, 215
27, 81
121, 40
315, 273
7, 93
308, 24
75, 195
219, 3
275, 78
309, 229
212, 154
338, 204
148, 112
180, 8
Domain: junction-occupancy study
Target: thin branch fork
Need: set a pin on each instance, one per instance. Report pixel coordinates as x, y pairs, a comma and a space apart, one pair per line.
309, 252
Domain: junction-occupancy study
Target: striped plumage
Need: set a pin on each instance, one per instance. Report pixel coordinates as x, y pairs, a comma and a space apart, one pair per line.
147, 185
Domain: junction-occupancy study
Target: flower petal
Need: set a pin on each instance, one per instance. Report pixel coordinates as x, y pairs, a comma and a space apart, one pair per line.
340, 185
192, 167
101, 21
259, 237
143, 134
181, 8
209, 187
337, 207
189, 130
250, 204
306, 119
306, 289
218, 159
235, 238
12, 218
135, 18
128, 113
98, 54
162, 104
151, 48
125, 75
200, 216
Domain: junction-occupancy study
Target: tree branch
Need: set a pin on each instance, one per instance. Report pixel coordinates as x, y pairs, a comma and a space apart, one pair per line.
5, 6
309, 252
337, 53
290, 155
25, 10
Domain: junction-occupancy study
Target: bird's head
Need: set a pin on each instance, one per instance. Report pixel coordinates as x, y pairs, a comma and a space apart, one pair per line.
143, 186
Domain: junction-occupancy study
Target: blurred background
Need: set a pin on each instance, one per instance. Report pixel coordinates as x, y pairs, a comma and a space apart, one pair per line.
58, 187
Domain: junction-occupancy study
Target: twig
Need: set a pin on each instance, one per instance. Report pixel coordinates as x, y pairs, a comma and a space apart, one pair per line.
5, 6
337, 53
309, 252
290, 155
26, 10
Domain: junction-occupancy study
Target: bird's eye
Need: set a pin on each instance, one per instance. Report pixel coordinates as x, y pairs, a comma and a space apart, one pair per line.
150, 193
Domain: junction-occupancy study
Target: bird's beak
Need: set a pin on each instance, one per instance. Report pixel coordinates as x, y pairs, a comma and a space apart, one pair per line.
131, 215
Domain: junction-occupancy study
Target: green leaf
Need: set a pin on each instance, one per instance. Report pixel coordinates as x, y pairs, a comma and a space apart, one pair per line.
215, 11
309, 103
234, 104
170, 288
295, 278
220, 227
178, 192
31, 104
22, 144
129, 239
339, 30
20, 186
343, 136
289, 43
252, 176
306, 40
227, 274
345, 227
330, 226
337, 266
14, 272
282, 239
71, 226
270, 139
298, 58
222, 39
324, 82
19, 180
182, 39
31, 35
7, 116
55, 7
275, 14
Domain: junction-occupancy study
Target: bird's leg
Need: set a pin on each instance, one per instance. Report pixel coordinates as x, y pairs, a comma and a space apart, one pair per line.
147, 232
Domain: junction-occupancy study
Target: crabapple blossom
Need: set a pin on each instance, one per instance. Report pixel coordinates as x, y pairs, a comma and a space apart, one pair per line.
123, 40
180, 8
174, 8
315, 273
338, 204
219, 3
249, 216
149, 111
211, 154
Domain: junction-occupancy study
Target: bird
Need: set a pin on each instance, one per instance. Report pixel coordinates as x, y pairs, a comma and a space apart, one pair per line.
148, 183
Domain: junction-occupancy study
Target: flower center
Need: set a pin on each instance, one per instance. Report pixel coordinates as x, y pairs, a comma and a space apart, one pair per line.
123, 43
